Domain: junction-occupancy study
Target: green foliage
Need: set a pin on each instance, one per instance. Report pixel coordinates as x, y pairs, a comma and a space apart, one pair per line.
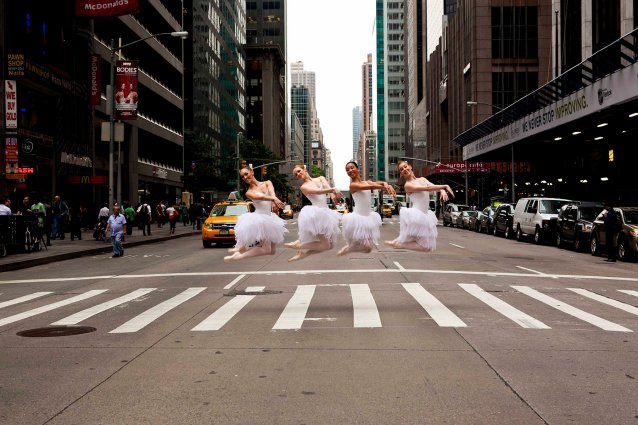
316, 171
256, 153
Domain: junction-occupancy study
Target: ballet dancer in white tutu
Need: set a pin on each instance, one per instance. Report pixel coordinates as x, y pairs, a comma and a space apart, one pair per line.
318, 224
418, 223
258, 233
361, 228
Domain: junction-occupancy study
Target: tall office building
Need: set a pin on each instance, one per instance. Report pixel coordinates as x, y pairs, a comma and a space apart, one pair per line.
217, 84
356, 130
380, 68
394, 90
300, 106
367, 107
415, 68
266, 74
300, 77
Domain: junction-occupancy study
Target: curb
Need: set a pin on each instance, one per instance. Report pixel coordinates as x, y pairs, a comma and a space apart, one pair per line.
24, 264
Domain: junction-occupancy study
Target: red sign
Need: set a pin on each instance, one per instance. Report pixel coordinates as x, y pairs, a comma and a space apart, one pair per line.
126, 90
11, 104
88, 179
105, 8
26, 170
96, 80
11, 155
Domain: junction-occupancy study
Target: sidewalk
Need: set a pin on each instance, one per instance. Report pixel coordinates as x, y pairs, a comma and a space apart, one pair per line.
67, 249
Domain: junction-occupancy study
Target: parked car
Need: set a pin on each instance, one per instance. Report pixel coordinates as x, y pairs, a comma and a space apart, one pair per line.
463, 219
219, 227
537, 217
503, 219
627, 238
451, 212
574, 224
485, 220
286, 212
474, 221
341, 208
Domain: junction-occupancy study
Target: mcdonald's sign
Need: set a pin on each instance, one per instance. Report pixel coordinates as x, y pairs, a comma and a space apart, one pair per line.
96, 180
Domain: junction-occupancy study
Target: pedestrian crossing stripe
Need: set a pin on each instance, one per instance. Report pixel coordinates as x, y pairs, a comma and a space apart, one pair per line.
294, 314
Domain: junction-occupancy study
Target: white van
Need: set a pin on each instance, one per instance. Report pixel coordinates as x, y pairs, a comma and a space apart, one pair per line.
537, 216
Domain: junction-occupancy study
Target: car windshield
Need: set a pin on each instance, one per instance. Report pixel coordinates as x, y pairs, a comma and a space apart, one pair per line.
551, 206
472, 213
462, 207
631, 217
228, 210
589, 213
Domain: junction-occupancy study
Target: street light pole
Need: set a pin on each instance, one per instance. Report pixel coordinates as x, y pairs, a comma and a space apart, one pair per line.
237, 160
112, 49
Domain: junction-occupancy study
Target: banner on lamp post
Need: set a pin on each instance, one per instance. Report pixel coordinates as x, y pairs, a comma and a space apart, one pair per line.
11, 155
105, 8
96, 80
126, 90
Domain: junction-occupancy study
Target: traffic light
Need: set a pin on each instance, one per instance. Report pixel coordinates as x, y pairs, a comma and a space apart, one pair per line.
263, 171
243, 163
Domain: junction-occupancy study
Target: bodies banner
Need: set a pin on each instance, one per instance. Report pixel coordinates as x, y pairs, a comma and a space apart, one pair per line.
126, 90
105, 8
11, 155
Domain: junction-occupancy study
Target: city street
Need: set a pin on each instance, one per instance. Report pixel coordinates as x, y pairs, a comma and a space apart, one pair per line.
482, 331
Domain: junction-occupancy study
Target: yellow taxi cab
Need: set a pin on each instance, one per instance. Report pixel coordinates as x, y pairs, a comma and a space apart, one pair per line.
286, 212
387, 210
219, 227
341, 208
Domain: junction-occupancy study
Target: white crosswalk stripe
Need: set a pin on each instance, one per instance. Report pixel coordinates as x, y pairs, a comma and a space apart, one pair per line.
144, 319
23, 299
219, 318
572, 311
592, 295
366, 314
629, 292
524, 320
435, 308
49, 307
295, 312
76, 318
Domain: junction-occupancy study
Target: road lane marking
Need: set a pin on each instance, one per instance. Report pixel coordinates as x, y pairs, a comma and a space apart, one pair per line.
49, 307
399, 266
571, 310
78, 317
512, 313
24, 299
592, 295
295, 312
458, 246
529, 270
234, 282
366, 314
142, 320
435, 308
629, 292
219, 318
323, 272
255, 289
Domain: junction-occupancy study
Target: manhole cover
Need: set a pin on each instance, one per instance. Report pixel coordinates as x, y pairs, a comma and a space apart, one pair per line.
52, 331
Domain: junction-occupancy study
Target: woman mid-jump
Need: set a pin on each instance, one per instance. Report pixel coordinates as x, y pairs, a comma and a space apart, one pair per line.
418, 223
361, 228
318, 224
258, 233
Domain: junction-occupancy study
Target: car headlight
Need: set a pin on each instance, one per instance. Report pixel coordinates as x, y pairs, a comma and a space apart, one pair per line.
209, 226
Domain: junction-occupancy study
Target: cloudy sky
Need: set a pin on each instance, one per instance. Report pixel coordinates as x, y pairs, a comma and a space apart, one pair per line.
332, 38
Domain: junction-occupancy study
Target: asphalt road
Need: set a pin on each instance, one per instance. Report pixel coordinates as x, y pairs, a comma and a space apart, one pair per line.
482, 331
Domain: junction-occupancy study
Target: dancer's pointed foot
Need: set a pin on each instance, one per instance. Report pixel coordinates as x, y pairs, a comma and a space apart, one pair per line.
231, 258
393, 244
299, 256
294, 244
343, 251
233, 250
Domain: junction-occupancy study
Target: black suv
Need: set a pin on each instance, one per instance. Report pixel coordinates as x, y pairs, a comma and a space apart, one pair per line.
575, 222
503, 218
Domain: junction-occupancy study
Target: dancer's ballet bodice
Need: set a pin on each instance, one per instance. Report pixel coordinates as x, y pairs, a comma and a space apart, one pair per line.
263, 207
318, 200
362, 202
420, 200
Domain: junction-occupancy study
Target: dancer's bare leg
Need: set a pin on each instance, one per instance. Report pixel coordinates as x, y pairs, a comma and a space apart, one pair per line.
412, 245
265, 248
356, 247
393, 243
294, 244
323, 244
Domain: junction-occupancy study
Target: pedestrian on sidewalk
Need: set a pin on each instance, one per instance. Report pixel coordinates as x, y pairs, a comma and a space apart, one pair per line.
144, 218
5, 206
160, 210
612, 227
129, 213
60, 213
184, 214
77, 214
103, 214
172, 213
40, 210
117, 224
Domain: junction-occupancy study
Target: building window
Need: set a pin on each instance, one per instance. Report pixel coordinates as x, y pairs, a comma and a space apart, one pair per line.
508, 87
514, 32
251, 5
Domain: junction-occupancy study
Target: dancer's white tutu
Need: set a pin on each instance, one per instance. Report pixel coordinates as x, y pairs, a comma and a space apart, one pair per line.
418, 223
363, 225
315, 220
261, 226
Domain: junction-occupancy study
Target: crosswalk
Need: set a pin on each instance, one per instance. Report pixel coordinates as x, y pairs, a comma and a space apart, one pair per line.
365, 311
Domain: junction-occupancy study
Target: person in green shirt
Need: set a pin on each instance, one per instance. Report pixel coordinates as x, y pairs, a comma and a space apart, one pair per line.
40, 210
129, 213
